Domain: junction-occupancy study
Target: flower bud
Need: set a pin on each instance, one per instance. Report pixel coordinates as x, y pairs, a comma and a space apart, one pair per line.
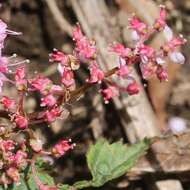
133, 88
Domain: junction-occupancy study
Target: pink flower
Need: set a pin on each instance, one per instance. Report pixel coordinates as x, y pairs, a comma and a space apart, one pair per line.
147, 69
42, 84
96, 74
121, 50
160, 23
3, 33
20, 74
68, 78
48, 100
133, 88
77, 33
147, 51
59, 56
85, 49
62, 147
4, 65
20, 158
13, 173
162, 74
139, 26
176, 42
53, 114
21, 121
109, 93
7, 145
8, 103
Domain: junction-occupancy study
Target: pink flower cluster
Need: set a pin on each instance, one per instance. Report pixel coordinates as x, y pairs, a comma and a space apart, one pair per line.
13, 160
62, 147
54, 97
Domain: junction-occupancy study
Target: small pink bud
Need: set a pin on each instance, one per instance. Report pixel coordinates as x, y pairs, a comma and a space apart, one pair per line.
162, 74
7, 145
109, 93
8, 103
68, 78
137, 25
133, 88
121, 50
48, 100
21, 122
62, 147
52, 115
96, 74
59, 56
20, 158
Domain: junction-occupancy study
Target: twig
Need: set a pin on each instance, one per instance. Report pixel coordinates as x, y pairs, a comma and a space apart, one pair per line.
59, 18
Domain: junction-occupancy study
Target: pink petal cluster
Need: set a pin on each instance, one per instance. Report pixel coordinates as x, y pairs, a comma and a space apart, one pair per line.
160, 23
138, 26
20, 79
8, 103
52, 114
21, 121
48, 100
121, 50
109, 93
62, 147
133, 88
59, 56
96, 74
13, 158
68, 78
84, 48
41, 84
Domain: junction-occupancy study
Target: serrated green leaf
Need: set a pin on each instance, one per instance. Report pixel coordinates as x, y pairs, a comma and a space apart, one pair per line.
109, 161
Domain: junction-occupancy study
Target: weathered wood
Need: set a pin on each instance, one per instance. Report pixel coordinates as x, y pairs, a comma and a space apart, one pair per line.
169, 184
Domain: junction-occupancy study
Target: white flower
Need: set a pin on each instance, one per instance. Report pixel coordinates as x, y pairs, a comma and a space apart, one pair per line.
177, 57
177, 125
134, 36
168, 34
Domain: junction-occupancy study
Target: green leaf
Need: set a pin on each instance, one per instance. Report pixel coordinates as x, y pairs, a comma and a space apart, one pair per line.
109, 161
65, 187
82, 184
22, 185
43, 176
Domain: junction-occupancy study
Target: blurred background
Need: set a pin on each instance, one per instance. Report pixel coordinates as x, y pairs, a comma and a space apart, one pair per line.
161, 109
